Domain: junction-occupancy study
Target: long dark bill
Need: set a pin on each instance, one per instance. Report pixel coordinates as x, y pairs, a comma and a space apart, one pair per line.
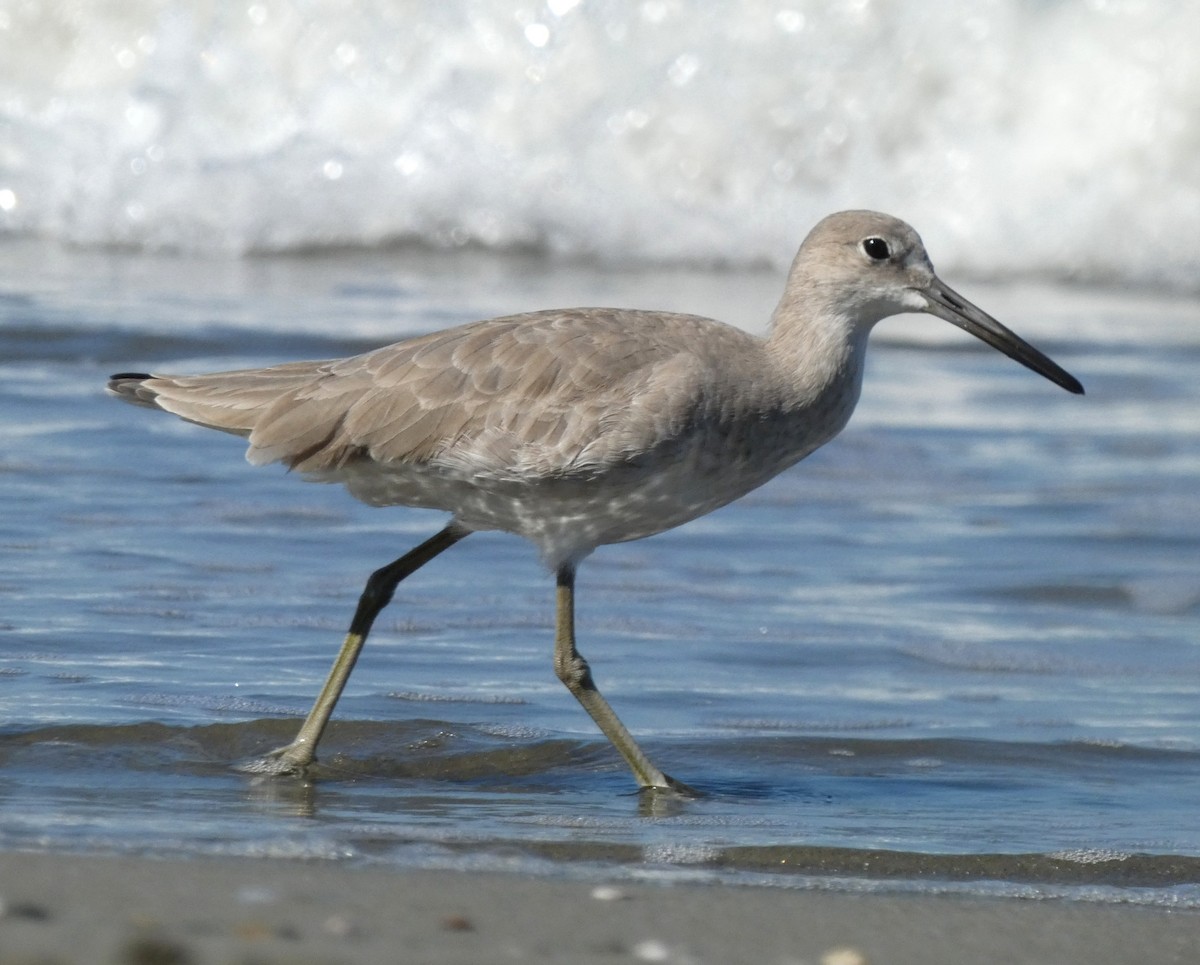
945, 303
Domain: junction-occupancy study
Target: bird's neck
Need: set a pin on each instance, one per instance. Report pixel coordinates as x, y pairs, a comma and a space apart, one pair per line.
817, 351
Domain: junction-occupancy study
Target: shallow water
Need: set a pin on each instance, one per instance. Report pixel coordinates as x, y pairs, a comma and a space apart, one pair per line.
956, 649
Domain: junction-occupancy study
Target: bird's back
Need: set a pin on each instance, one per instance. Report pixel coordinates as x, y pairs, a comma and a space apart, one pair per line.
541, 393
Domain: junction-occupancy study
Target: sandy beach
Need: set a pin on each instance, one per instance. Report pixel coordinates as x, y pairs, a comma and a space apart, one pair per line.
60, 909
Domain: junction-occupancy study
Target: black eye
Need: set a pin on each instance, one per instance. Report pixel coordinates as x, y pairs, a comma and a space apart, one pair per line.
876, 249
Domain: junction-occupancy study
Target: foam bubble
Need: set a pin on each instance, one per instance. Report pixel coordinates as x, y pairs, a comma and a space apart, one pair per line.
1054, 140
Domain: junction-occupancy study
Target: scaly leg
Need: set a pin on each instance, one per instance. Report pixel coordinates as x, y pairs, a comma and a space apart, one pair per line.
573, 671
301, 752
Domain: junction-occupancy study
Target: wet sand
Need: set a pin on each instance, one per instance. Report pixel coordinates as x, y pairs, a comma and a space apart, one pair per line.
60, 909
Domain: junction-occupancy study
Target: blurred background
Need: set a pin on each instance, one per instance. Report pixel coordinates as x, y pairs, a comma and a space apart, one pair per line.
1050, 138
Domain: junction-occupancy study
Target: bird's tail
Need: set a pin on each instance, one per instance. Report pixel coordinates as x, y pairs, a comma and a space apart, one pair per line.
131, 387
229, 401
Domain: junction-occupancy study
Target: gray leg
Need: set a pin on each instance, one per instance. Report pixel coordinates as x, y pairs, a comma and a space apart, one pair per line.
301, 752
573, 671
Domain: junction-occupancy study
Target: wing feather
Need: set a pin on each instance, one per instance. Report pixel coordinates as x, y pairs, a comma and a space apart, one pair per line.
549, 392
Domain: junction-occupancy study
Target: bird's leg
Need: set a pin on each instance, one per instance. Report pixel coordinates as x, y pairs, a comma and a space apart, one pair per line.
573, 671
301, 752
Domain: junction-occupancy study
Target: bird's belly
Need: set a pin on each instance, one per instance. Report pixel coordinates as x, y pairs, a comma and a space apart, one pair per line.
567, 517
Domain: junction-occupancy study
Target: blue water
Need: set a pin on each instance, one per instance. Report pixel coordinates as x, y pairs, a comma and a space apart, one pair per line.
958, 648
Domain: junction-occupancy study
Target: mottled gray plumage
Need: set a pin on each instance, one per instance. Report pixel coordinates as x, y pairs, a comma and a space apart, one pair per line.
589, 426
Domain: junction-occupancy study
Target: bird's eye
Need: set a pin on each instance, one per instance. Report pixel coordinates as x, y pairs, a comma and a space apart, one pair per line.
876, 249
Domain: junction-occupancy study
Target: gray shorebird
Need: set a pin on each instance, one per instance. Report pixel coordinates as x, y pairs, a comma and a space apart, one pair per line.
580, 427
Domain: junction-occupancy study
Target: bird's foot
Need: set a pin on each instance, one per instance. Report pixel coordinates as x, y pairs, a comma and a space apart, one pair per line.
666, 800
673, 787
290, 761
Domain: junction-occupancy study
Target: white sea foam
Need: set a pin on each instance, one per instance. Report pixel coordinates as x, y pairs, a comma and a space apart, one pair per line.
1021, 137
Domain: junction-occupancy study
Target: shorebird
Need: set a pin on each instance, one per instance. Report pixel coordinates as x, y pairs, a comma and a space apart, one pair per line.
580, 427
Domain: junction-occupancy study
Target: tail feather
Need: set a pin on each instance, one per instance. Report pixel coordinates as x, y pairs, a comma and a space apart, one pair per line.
230, 401
131, 387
